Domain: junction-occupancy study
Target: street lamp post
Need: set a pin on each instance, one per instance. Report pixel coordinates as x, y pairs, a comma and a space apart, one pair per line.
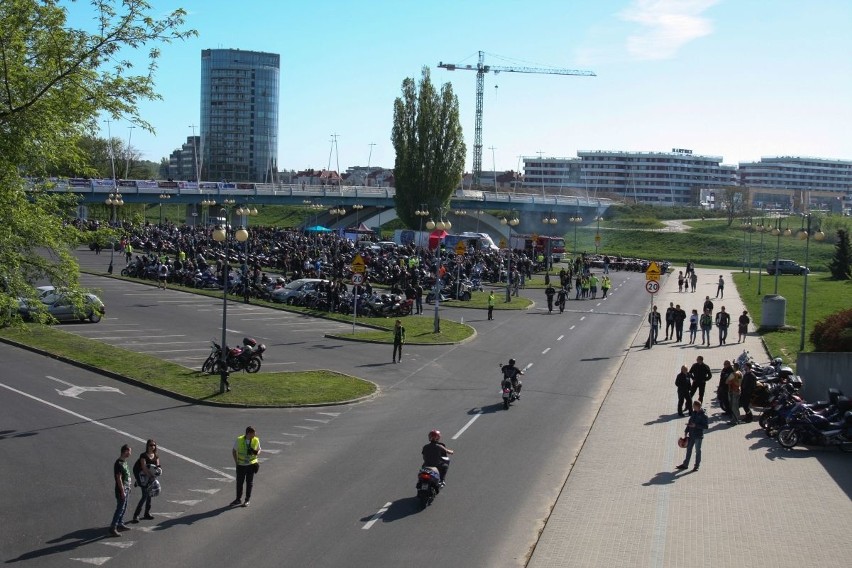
357, 207
778, 232
805, 235
576, 221
512, 221
548, 253
223, 235
762, 228
163, 197
422, 212
114, 200
436, 290
338, 212
245, 212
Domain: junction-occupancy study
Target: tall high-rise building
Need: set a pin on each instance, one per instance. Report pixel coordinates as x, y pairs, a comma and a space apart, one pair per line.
239, 115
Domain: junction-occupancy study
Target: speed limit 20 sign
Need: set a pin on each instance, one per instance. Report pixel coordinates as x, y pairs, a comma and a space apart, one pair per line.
652, 286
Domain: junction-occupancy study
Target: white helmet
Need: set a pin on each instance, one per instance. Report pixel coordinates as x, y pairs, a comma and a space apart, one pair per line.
153, 488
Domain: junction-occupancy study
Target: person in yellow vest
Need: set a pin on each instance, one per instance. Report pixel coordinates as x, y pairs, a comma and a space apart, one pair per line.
245, 452
491, 305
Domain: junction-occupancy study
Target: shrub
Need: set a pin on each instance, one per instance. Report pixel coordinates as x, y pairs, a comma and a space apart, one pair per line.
834, 333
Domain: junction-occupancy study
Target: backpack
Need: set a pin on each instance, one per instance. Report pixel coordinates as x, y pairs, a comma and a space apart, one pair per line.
706, 321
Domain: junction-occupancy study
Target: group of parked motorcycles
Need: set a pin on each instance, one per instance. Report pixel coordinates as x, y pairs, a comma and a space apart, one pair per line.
792, 421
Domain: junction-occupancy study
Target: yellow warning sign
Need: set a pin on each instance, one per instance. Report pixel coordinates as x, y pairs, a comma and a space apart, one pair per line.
460, 248
653, 272
358, 265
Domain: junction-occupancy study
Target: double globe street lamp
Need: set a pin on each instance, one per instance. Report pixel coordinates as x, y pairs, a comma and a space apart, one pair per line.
222, 235
512, 221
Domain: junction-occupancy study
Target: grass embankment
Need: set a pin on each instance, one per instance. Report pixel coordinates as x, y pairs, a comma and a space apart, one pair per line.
259, 389
825, 297
709, 242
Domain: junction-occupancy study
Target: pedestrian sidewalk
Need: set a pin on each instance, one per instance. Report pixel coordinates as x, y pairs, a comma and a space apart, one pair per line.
751, 503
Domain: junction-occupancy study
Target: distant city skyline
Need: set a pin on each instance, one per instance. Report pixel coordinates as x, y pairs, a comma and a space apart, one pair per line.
740, 80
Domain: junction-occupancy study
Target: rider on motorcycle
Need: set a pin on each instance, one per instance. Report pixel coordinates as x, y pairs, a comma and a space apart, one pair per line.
434, 452
511, 374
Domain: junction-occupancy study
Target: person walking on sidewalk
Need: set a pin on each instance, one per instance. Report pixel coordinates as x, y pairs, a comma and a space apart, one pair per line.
670, 321
679, 318
491, 305
693, 326
549, 292
245, 452
742, 329
723, 321
700, 373
695, 433
654, 319
720, 287
693, 279
706, 323
684, 402
398, 340
121, 475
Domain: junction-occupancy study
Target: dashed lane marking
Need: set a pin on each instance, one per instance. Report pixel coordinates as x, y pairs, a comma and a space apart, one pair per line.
545, 351
377, 516
560, 338
466, 426
96, 561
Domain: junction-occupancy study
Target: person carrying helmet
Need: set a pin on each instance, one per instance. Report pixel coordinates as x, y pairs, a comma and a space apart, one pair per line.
434, 453
511, 374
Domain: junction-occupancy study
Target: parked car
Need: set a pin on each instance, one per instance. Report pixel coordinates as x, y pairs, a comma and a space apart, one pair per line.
59, 306
295, 290
785, 266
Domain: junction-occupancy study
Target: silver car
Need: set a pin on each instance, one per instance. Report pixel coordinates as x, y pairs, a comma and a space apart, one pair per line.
293, 291
60, 307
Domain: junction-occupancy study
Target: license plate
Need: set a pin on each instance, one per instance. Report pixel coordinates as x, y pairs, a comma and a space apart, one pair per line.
423, 487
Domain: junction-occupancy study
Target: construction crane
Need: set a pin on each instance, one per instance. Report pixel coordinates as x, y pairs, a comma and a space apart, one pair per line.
481, 69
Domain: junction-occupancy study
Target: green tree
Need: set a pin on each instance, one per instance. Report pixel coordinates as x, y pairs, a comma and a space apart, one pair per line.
56, 83
429, 145
733, 200
841, 264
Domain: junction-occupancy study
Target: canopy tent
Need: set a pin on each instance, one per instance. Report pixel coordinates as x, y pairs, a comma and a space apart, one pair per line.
318, 229
362, 228
435, 237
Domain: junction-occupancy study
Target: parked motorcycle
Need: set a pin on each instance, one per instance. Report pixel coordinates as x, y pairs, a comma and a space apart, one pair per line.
808, 428
246, 358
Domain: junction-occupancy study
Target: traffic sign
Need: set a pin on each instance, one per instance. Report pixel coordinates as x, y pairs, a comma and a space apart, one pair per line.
459, 258
460, 248
652, 286
358, 266
598, 239
653, 272
502, 244
357, 279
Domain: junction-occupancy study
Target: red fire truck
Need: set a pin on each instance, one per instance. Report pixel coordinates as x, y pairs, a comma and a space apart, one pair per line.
540, 244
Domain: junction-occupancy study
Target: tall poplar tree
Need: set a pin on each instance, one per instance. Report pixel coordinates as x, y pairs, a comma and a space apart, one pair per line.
57, 82
429, 145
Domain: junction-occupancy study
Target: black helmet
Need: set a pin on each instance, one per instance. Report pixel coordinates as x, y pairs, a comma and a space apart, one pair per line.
511, 362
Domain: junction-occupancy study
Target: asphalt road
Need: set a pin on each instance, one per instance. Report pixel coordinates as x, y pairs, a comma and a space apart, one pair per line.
339, 490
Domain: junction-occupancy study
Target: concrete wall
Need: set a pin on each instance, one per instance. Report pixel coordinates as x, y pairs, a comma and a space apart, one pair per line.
821, 371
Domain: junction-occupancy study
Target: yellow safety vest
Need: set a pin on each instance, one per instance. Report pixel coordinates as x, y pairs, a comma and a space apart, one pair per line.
242, 450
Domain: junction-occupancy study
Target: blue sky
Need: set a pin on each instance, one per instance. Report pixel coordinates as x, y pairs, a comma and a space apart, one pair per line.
739, 79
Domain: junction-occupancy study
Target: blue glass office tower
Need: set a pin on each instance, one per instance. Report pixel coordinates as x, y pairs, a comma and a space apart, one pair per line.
239, 115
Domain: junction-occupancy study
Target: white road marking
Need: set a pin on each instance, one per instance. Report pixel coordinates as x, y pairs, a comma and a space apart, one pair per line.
599, 303
318, 420
265, 451
189, 503
466, 426
528, 366
582, 318
296, 435
118, 543
116, 430
572, 327
560, 338
377, 516
96, 561
335, 414
279, 442
306, 427
545, 351
207, 491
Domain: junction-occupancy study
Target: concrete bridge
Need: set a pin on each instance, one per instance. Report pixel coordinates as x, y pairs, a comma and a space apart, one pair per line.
467, 208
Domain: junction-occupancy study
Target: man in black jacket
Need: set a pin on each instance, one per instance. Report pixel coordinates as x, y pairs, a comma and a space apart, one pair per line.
723, 321
700, 373
670, 321
679, 318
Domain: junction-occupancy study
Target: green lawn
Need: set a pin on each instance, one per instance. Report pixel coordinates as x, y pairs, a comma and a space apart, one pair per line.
825, 297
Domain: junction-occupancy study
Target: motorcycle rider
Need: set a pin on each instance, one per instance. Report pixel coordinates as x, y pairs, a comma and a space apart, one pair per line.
511, 373
434, 452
